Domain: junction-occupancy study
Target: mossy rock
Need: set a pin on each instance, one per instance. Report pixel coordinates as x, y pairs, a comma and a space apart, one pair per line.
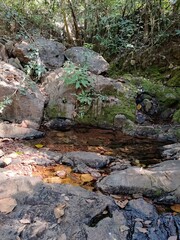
52, 111
176, 116
174, 81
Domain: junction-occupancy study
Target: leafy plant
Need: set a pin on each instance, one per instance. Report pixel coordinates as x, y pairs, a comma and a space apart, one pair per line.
85, 93
35, 68
6, 101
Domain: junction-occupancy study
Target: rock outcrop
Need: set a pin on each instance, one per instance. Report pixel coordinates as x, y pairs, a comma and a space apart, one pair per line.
20, 97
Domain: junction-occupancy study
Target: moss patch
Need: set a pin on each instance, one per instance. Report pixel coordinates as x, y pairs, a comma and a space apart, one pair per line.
176, 116
53, 111
174, 81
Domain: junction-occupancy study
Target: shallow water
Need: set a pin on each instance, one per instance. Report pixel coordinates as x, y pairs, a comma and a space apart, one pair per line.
139, 151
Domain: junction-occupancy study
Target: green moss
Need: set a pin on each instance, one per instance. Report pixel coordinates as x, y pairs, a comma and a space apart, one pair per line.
174, 81
108, 113
154, 72
177, 134
115, 70
52, 111
176, 116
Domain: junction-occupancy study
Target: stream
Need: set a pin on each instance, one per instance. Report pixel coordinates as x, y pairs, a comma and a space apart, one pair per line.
141, 152
79, 166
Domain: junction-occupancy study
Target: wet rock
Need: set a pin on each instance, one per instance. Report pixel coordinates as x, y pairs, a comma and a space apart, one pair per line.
61, 124
171, 151
86, 57
84, 161
147, 107
153, 182
8, 130
159, 132
25, 100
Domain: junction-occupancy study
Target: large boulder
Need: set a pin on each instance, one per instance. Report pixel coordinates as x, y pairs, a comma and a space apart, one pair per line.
51, 53
86, 57
20, 97
61, 99
110, 97
18, 132
161, 179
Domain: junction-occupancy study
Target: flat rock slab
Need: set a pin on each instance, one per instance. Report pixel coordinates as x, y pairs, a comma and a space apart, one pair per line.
50, 211
8, 130
162, 178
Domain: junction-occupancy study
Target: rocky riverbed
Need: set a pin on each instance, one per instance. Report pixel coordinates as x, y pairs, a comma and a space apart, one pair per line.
123, 202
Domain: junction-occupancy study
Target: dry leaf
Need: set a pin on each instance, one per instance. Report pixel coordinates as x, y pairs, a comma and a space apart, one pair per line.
59, 210
53, 180
176, 208
86, 177
142, 230
39, 145
124, 228
172, 238
7, 205
25, 221
121, 204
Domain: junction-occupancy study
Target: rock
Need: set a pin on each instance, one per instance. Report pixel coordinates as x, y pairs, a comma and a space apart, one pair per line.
121, 122
86, 160
3, 53
86, 57
1, 153
61, 124
25, 101
7, 205
153, 182
64, 212
17, 132
5, 161
61, 99
171, 151
141, 209
63, 102
51, 53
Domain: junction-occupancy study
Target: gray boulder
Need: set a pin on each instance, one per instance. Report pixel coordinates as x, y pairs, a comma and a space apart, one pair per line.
51, 53
86, 57
161, 179
21, 97
63, 102
8, 130
86, 161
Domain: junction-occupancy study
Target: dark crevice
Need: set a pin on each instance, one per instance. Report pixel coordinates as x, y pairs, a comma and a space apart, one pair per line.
102, 215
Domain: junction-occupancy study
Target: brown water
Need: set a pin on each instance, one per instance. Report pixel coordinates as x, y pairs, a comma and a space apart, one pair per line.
139, 151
